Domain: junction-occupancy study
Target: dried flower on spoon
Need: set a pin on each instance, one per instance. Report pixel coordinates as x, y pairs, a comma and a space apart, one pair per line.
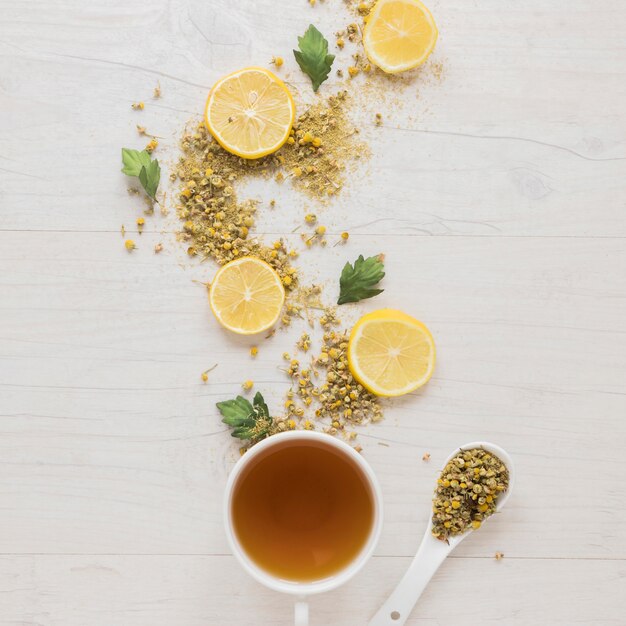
467, 492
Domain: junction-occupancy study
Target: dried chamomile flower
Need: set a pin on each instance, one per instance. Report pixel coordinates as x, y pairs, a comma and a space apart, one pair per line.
215, 222
467, 492
205, 375
328, 386
304, 343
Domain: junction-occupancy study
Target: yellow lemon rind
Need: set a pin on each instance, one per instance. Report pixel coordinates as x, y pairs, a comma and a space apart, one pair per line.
236, 329
407, 66
395, 316
259, 153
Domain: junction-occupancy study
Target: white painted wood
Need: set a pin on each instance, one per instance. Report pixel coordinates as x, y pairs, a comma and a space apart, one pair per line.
200, 590
497, 194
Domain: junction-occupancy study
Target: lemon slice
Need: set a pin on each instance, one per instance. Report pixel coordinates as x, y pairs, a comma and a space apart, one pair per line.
250, 112
246, 296
390, 353
399, 35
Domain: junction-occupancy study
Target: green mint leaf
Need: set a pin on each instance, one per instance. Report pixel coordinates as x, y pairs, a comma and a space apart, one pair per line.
248, 421
313, 57
236, 412
149, 177
259, 405
253, 433
140, 164
357, 281
133, 161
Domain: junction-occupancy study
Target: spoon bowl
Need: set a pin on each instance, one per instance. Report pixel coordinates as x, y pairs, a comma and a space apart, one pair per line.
432, 551
501, 501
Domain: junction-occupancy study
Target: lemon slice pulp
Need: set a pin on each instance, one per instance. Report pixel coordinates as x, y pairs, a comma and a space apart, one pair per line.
399, 35
250, 112
391, 353
247, 296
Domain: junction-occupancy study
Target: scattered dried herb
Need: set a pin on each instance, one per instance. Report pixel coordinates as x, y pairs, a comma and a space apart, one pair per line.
323, 144
357, 282
467, 492
216, 224
328, 387
313, 57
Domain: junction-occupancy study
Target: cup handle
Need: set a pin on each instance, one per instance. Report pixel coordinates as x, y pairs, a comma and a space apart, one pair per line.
302, 613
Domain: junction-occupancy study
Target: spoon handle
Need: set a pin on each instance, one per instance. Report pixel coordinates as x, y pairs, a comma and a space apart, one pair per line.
426, 562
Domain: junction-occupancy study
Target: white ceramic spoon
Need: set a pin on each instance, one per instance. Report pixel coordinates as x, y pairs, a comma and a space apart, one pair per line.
431, 554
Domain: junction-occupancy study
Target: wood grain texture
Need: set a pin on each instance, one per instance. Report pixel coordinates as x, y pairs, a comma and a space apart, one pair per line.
200, 590
497, 194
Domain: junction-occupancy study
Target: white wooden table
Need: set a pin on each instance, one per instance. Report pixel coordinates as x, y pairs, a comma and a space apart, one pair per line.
497, 194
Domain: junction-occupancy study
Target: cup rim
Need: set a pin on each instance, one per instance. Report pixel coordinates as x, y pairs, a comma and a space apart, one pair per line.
325, 584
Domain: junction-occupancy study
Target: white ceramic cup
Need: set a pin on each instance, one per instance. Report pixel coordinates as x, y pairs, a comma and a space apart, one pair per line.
302, 590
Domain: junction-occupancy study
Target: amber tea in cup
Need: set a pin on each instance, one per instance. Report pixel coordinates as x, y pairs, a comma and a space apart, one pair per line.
302, 511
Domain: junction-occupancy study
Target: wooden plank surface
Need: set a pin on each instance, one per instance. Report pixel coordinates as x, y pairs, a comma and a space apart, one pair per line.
200, 590
497, 194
